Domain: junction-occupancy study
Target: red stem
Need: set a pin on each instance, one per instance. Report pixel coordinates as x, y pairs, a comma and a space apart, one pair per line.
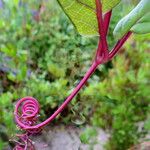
119, 44
100, 19
102, 52
107, 18
60, 109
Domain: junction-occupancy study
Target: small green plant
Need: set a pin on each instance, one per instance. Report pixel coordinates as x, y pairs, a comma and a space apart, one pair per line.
87, 135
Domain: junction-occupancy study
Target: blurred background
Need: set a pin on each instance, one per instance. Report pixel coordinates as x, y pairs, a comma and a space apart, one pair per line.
42, 55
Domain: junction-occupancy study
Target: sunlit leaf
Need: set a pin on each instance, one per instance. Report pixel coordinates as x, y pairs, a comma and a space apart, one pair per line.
82, 14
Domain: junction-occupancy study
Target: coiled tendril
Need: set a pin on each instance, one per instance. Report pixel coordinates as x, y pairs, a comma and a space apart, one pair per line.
26, 113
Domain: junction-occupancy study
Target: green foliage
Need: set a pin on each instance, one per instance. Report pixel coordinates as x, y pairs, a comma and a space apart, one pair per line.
6, 115
85, 19
16, 63
2, 144
87, 135
121, 100
135, 20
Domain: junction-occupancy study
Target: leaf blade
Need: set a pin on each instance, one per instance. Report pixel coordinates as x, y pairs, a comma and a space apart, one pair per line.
126, 23
138, 28
82, 14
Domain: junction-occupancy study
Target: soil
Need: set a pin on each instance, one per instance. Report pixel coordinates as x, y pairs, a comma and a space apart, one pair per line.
68, 138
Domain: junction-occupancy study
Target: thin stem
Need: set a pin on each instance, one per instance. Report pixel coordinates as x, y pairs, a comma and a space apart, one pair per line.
100, 18
99, 56
107, 18
119, 44
69, 98
102, 51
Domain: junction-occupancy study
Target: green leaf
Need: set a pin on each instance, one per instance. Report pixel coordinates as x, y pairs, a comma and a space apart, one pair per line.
131, 21
82, 14
143, 26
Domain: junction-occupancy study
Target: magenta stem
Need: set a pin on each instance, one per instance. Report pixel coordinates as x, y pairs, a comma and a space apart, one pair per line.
103, 24
119, 44
72, 95
60, 109
107, 18
100, 21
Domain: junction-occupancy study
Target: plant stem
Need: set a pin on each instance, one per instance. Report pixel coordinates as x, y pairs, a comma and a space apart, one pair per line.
69, 98
107, 18
102, 52
119, 44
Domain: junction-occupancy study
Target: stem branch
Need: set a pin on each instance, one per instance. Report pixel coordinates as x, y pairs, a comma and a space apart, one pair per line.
102, 51
107, 18
119, 44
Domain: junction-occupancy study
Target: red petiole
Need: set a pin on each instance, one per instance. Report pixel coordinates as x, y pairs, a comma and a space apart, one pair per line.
102, 51
119, 44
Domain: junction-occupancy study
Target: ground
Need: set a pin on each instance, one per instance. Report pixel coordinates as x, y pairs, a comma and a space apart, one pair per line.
67, 138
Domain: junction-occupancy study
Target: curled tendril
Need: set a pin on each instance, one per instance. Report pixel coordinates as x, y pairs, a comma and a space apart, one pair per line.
26, 114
